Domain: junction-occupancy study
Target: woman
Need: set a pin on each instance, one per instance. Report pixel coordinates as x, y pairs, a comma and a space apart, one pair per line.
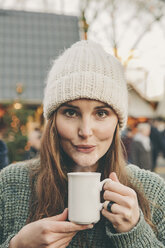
85, 104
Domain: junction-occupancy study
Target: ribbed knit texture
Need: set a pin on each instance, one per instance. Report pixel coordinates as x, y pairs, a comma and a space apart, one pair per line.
14, 202
86, 71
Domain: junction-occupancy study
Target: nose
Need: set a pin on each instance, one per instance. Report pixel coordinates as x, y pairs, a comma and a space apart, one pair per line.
85, 129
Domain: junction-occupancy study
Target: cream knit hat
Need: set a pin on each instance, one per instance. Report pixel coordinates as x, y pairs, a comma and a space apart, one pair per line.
86, 71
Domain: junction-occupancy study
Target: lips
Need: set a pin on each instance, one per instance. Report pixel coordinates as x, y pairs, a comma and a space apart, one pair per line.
85, 148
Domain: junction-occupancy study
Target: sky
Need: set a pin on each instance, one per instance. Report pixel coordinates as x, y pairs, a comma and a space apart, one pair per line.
70, 7
146, 70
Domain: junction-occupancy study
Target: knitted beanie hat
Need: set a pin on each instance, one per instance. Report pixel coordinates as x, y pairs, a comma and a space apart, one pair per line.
85, 70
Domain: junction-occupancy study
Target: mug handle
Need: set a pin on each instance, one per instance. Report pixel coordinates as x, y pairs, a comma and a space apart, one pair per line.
103, 182
100, 188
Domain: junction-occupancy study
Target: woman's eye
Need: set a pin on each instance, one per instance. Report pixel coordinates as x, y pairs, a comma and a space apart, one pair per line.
70, 113
102, 113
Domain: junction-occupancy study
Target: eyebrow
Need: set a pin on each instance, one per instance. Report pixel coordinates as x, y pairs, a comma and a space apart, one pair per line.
69, 105
75, 107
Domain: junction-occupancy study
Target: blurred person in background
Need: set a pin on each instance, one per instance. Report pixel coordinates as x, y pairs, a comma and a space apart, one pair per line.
127, 141
4, 161
34, 140
162, 131
157, 137
140, 149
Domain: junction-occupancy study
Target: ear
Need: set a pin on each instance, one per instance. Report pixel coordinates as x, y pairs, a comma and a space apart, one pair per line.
114, 177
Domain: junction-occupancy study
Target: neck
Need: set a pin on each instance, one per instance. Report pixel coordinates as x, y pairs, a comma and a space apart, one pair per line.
78, 168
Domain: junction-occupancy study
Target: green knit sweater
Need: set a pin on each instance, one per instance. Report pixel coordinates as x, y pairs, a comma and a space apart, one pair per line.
14, 206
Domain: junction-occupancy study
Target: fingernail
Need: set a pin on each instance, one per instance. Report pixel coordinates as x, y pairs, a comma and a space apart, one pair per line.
90, 226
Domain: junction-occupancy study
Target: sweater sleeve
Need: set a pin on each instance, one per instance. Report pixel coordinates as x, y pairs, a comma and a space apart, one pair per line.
142, 235
14, 198
6, 243
3, 244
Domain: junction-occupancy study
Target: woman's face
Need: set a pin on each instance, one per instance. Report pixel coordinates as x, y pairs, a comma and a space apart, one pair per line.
86, 129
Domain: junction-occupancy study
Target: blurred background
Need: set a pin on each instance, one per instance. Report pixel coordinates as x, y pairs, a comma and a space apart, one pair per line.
33, 33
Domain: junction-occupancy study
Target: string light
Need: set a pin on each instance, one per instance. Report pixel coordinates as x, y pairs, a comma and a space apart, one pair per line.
17, 105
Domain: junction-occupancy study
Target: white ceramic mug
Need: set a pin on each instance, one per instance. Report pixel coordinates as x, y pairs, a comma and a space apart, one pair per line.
84, 204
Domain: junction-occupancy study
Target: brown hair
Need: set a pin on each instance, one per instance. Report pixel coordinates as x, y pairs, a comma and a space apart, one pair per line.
49, 179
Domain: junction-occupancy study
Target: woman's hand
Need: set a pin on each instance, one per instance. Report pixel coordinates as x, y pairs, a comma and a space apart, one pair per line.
52, 232
124, 213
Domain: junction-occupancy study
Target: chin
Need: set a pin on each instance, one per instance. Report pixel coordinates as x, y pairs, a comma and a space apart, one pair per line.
83, 163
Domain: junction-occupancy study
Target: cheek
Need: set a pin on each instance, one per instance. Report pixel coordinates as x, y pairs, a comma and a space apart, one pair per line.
107, 131
64, 130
